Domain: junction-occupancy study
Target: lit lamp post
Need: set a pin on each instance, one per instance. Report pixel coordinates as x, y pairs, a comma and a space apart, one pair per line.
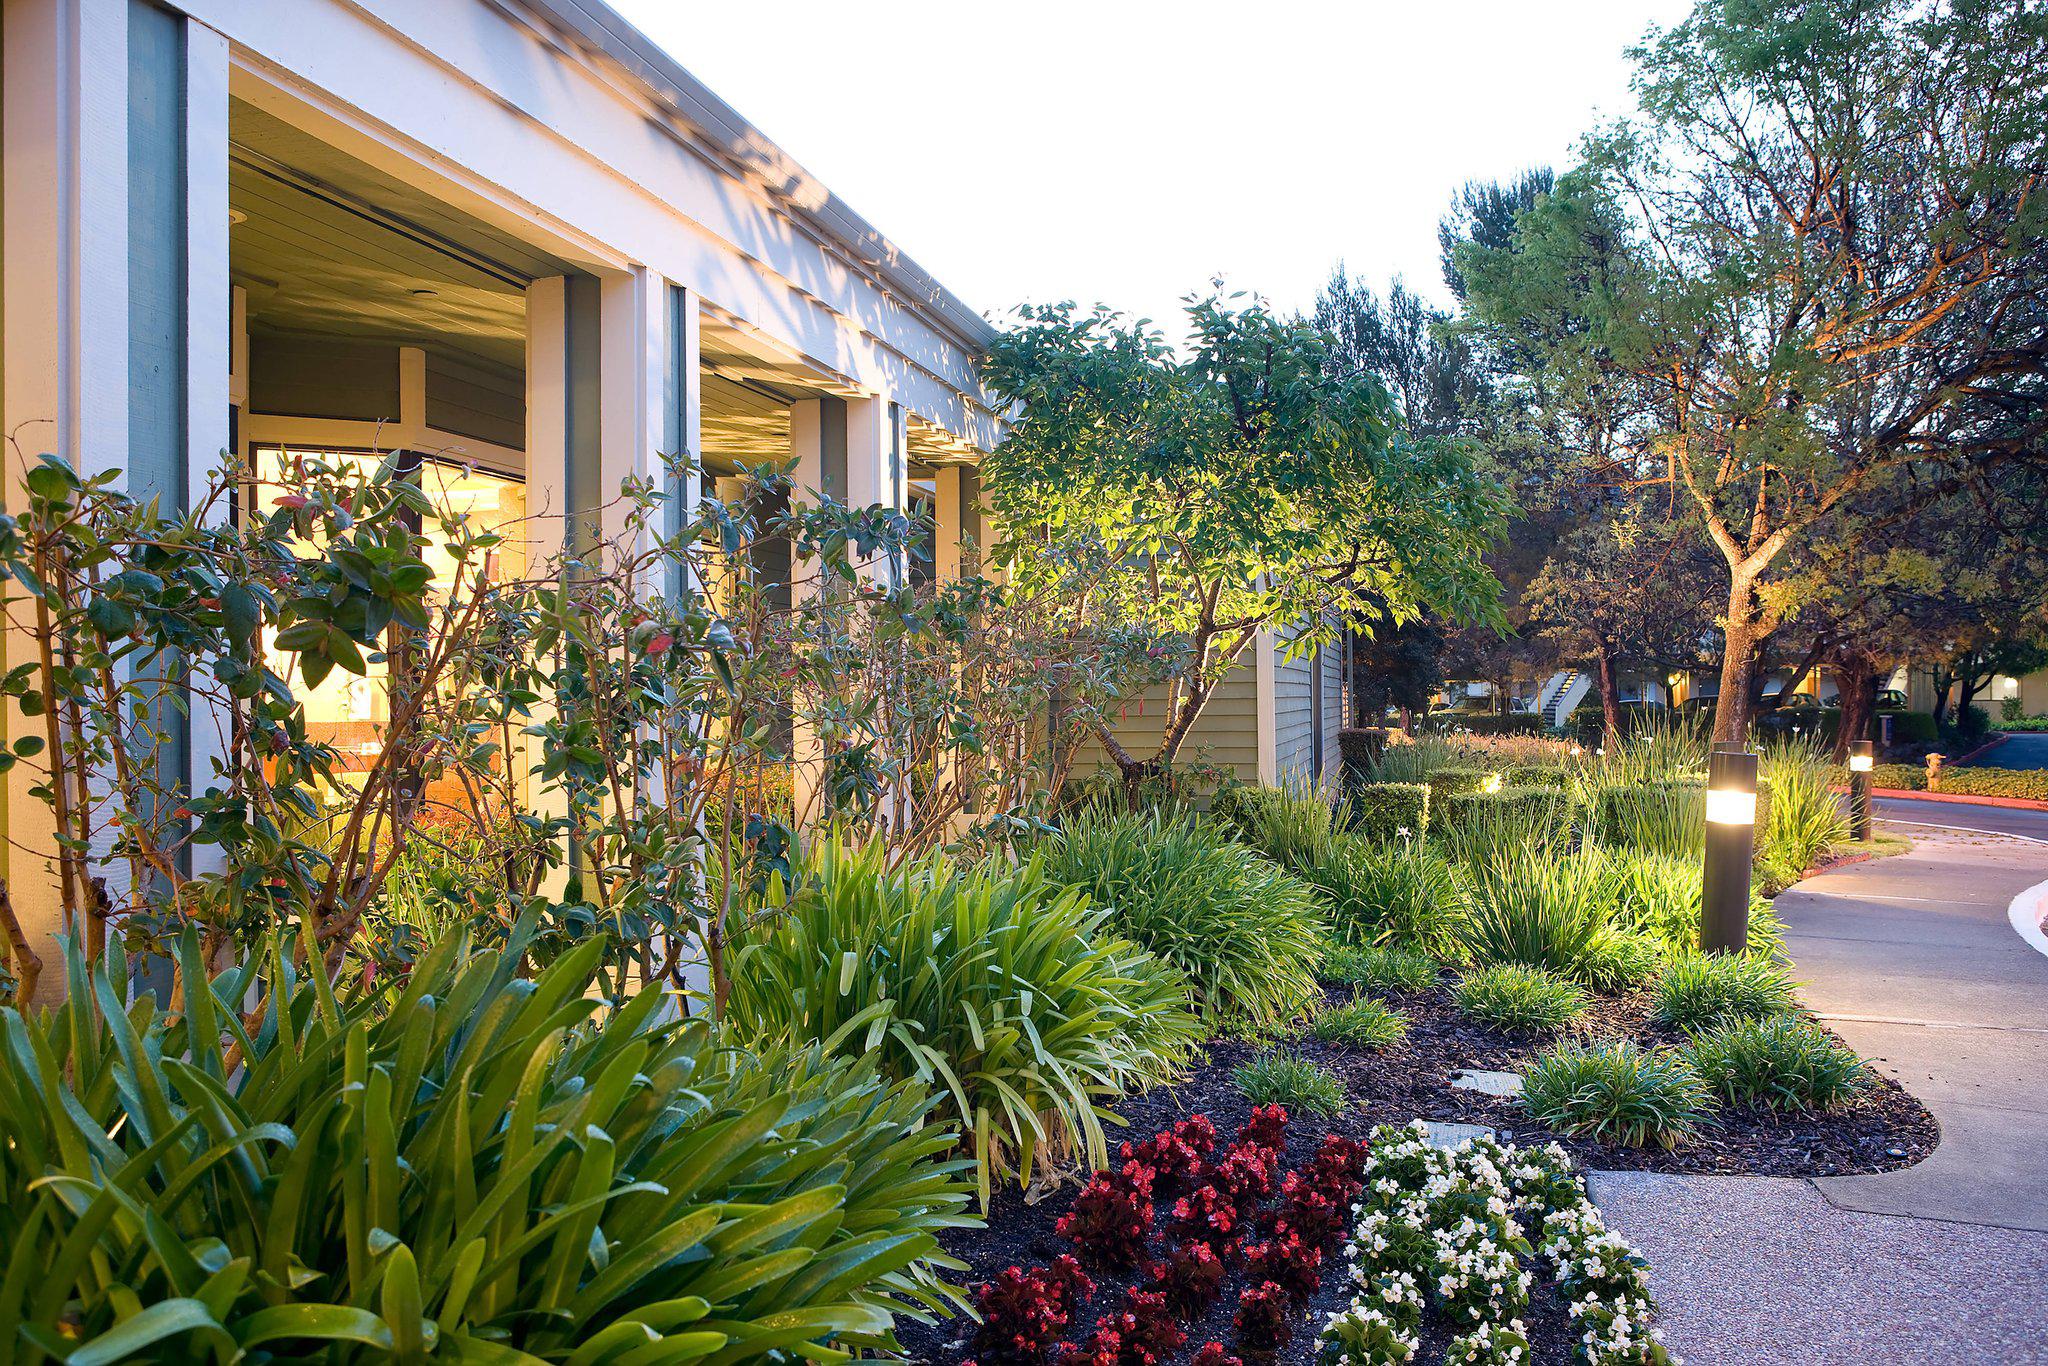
1731, 830
1862, 758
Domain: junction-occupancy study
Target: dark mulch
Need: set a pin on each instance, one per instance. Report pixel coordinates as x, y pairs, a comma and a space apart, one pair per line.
1885, 1130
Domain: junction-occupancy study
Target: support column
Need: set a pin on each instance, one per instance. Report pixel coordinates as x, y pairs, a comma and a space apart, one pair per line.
877, 469
948, 518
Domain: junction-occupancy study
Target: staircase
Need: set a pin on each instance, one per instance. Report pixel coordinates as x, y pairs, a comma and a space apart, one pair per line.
1561, 694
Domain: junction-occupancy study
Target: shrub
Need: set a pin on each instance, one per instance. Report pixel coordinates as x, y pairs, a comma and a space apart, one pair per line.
1482, 723
1359, 748
1266, 1128
1705, 989
1007, 991
1024, 1314
1402, 894
1897, 777
1246, 934
1617, 1093
1174, 1155
1654, 894
1453, 779
2030, 783
1911, 727
1375, 969
1536, 775
1363, 1023
1781, 1063
1281, 1078
1144, 1330
1542, 911
1292, 828
1519, 999
474, 1159
1288, 1261
1477, 826
1381, 811
1190, 1278
1660, 817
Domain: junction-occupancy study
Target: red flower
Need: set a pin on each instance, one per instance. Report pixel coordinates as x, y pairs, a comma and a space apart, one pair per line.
659, 644
1112, 1216
1265, 1317
1024, 1313
1267, 1128
1212, 1354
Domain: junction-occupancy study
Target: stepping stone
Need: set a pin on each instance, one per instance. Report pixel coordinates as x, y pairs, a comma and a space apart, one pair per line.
1506, 1085
1444, 1134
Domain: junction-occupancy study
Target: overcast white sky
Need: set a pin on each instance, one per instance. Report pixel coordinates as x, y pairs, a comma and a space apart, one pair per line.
1127, 150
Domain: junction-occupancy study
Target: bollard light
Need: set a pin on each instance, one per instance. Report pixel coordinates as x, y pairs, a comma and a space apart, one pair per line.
1731, 842
1862, 759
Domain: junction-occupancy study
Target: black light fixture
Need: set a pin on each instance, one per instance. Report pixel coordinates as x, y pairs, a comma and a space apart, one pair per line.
1862, 759
1731, 844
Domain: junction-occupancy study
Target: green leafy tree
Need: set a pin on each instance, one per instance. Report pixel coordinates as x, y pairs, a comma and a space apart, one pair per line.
1192, 500
1839, 202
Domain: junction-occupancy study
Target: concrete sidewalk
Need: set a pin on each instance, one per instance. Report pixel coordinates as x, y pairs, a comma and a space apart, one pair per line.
1914, 961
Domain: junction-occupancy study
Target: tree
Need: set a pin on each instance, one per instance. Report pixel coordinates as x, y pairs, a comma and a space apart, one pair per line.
1192, 501
1842, 203
1395, 666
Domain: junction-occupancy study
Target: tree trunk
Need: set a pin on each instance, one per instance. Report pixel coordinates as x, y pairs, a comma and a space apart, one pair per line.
1610, 695
1943, 681
1738, 662
1856, 689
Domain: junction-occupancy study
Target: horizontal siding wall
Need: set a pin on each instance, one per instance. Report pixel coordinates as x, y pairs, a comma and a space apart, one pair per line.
313, 377
474, 398
1293, 717
1227, 733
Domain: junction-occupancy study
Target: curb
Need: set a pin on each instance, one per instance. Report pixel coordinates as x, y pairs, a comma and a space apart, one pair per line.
1960, 798
2026, 913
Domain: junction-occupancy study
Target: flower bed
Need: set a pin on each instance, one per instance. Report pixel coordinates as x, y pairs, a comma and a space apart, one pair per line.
1446, 1233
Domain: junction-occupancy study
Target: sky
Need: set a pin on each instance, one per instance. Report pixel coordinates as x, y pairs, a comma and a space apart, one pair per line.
1127, 151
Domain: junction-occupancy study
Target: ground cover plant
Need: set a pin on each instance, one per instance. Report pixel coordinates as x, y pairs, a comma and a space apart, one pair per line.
470, 1165
1704, 989
1279, 1076
1780, 1063
1009, 994
1246, 934
1536, 910
1459, 1235
1378, 970
1619, 1092
1365, 1022
1520, 999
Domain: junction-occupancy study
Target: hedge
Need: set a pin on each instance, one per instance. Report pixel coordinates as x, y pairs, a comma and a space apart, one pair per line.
1359, 748
1898, 777
1535, 775
1514, 723
1532, 807
1908, 727
2027, 723
2030, 783
1382, 811
1452, 779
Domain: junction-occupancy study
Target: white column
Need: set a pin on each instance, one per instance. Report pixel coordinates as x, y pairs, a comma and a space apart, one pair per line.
211, 333
948, 515
547, 413
632, 423
877, 468
1266, 648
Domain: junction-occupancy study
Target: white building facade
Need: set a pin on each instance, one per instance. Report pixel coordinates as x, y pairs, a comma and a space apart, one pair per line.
512, 236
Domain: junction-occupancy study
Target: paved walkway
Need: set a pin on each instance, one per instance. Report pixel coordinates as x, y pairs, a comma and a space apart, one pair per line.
1912, 959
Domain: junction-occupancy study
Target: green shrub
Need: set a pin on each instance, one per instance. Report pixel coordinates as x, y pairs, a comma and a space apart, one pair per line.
1359, 748
1621, 961
1008, 992
1383, 811
1910, 727
1362, 1023
1532, 908
1519, 999
1376, 969
1617, 1093
1483, 723
1294, 829
1277, 1077
1449, 781
1897, 777
1247, 935
472, 1166
2030, 783
1780, 1063
1403, 894
1537, 775
1654, 894
1659, 817
1474, 826
1705, 989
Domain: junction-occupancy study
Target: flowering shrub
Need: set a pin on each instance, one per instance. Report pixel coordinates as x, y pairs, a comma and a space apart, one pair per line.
1190, 1277
1445, 1228
1025, 1313
1207, 1215
1212, 1354
1245, 1175
1265, 1316
1112, 1217
1142, 1333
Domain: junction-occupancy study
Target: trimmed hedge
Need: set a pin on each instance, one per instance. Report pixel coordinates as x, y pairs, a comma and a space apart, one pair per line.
1897, 777
1908, 727
2029, 783
1514, 723
1359, 748
1381, 811
1449, 781
1535, 775
1532, 807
